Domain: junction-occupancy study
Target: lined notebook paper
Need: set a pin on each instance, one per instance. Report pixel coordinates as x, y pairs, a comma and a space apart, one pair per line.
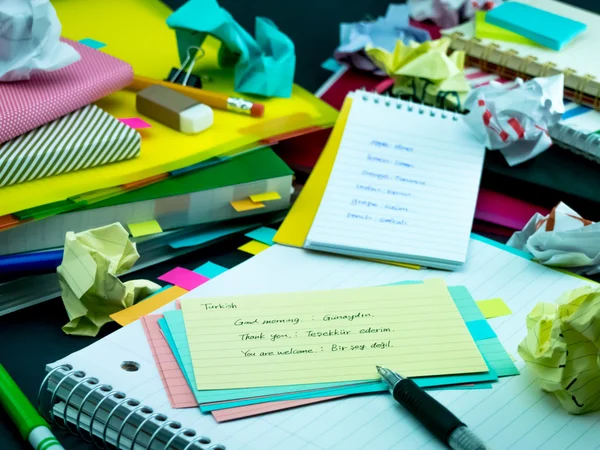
397, 191
515, 414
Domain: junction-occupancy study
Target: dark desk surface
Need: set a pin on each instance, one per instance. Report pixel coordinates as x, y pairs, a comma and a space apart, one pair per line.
31, 338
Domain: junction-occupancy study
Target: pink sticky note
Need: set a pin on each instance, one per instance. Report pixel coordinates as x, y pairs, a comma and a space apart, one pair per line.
178, 390
184, 278
135, 123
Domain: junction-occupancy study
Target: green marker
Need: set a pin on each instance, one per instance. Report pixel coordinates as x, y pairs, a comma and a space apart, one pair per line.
32, 426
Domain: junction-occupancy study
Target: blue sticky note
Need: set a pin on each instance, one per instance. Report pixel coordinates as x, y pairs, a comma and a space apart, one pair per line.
480, 329
331, 64
92, 43
263, 234
546, 28
210, 270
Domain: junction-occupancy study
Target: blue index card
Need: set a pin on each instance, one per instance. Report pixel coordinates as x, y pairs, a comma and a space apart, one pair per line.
92, 43
546, 28
210, 270
262, 234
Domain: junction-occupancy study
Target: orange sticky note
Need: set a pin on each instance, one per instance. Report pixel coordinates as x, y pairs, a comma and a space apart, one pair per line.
266, 197
253, 247
246, 205
133, 313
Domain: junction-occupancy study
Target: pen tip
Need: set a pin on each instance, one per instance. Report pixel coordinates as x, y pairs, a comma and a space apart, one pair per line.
380, 369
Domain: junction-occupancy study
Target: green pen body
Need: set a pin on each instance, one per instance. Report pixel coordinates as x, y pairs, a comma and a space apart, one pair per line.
31, 425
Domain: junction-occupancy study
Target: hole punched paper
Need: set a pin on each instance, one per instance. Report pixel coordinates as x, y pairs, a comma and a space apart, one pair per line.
323, 336
403, 186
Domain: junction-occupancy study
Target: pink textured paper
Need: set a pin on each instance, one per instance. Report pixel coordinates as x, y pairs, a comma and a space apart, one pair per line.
504, 210
25, 105
178, 391
240, 412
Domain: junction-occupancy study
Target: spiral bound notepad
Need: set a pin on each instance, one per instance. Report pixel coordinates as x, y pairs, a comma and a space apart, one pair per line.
403, 186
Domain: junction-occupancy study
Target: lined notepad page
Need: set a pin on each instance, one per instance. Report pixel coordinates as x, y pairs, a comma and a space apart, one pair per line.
403, 186
515, 414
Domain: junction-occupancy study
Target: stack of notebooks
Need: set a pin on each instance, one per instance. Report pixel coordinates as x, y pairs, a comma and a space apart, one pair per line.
258, 338
77, 165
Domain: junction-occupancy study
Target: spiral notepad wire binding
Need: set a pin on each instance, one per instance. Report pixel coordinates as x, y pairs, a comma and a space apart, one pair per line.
153, 424
391, 102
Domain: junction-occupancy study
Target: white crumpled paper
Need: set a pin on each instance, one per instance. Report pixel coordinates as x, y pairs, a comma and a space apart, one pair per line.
448, 13
515, 120
562, 238
29, 40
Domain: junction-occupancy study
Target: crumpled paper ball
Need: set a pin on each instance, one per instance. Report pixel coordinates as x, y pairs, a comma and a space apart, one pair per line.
562, 238
30, 37
516, 120
448, 13
562, 347
425, 71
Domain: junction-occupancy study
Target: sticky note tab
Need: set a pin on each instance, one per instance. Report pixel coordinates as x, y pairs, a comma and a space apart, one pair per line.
253, 247
210, 270
134, 122
331, 64
263, 234
246, 205
494, 307
265, 197
92, 43
133, 313
184, 278
144, 228
480, 329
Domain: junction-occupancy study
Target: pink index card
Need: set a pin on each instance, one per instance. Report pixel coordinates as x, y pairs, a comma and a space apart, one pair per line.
135, 122
178, 390
184, 278
241, 412
504, 210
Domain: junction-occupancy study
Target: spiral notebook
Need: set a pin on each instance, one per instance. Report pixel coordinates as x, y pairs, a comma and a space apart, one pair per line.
114, 385
398, 191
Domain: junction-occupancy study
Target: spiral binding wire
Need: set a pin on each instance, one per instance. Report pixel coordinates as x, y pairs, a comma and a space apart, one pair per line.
68, 373
409, 105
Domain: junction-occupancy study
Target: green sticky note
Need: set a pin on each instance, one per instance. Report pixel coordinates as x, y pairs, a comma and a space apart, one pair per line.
494, 307
144, 228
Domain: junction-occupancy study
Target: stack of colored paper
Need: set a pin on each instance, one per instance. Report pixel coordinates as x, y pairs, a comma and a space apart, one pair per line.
243, 356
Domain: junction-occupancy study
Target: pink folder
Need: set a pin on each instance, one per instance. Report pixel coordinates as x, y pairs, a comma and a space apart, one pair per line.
26, 105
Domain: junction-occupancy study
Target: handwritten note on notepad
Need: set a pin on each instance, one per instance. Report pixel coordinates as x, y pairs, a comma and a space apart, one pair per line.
403, 186
311, 337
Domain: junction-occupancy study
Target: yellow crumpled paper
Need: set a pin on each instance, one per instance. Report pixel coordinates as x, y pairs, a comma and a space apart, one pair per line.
562, 347
425, 70
90, 289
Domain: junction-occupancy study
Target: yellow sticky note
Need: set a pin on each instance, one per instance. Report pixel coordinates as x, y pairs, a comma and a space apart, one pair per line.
494, 307
246, 205
266, 197
327, 336
485, 30
133, 313
253, 247
144, 228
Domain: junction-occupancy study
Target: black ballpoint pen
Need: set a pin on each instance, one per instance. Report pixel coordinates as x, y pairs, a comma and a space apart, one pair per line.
432, 414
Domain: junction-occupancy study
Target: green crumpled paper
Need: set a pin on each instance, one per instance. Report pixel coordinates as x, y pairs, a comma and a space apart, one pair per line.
562, 347
90, 289
425, 71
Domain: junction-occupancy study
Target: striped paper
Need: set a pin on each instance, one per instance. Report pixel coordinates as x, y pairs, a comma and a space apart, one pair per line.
85, 138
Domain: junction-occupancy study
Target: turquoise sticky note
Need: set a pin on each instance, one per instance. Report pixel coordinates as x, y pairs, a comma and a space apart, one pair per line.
480, 329
496, 357
263, 234
331, 64
92, 43
210, 270
209, 235
546, 28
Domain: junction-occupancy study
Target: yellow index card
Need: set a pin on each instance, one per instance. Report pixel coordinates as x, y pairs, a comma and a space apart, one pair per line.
144, 228
327, 336
253, 247
266, 197
133, 313
494, 307
246, 205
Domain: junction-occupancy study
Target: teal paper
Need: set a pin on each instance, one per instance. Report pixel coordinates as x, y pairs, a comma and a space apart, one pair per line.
262, 66
92, 43
209, 235
210, 270
480, 329
262, 234
464, 302
506, 248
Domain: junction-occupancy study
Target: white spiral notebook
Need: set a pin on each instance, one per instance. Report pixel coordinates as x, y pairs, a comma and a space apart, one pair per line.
127, 406
403, 186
